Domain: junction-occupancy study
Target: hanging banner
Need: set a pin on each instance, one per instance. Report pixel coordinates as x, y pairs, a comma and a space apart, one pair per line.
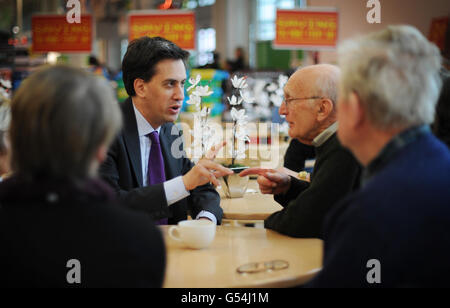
54, 33
177, 26
306, 29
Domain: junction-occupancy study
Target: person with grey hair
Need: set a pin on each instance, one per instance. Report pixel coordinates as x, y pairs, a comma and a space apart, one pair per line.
60, 225
309, 107
393, 232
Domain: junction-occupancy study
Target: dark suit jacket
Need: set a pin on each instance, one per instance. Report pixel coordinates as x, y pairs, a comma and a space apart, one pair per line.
336, 174
123, 171
47, 222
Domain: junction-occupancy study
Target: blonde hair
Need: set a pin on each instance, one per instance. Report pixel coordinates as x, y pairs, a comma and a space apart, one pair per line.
60, 116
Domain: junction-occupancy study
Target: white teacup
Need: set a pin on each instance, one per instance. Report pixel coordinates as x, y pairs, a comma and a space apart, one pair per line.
195, 234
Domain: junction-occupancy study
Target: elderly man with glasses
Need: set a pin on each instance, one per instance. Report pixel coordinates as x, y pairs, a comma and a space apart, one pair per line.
310, 110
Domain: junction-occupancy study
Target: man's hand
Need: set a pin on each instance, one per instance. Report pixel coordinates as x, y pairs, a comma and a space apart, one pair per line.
212, 153
270, 181
205, 171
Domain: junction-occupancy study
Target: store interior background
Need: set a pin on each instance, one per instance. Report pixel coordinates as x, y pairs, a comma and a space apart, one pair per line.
223, 25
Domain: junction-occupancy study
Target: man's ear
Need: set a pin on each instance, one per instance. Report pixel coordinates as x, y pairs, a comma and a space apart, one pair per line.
100, 154
139, 87
356, 112
326, 107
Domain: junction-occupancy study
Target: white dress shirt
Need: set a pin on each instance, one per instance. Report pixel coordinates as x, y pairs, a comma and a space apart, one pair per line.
174, 188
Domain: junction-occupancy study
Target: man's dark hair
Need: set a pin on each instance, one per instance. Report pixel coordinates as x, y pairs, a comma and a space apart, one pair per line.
143, 54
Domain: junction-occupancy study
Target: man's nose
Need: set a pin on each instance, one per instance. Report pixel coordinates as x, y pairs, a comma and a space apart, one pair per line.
283, 108
179, 93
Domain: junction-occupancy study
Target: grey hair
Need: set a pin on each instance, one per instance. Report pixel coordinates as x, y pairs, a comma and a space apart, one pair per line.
60, 116
395, 73
327, 83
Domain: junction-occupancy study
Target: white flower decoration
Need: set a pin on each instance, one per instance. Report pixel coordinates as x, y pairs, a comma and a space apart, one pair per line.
194, 100
6, 83
238, 116
247, 97
272, 87
282, 80
194, 82
202, 91
239, 83
263, 99
280, 92
259, 86
241, 134
234, 100
276, 99
205, 111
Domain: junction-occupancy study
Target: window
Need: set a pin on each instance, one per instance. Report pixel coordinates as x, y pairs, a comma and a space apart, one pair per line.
206, 46
192, 4
266, 15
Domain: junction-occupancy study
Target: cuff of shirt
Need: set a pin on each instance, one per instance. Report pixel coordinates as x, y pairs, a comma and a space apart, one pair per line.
206, 214
175, 190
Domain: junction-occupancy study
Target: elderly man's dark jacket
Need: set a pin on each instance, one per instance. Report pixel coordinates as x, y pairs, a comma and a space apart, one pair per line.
123, 171
336, 174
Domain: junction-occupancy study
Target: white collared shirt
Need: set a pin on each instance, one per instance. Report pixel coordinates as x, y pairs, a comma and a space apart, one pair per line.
174, 188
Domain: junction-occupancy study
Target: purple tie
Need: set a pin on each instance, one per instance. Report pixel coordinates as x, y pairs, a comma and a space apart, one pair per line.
156, 173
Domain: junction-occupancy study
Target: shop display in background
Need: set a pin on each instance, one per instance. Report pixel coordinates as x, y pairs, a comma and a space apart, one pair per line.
6, 50
213, 79
266, 89
261, 100
115, 79
6, 66
25, 62
122, 94
5, 85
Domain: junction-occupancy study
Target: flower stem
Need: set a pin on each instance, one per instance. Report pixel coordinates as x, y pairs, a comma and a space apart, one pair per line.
233, 144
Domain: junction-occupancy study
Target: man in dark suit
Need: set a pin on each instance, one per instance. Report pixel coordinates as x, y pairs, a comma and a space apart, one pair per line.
146, 165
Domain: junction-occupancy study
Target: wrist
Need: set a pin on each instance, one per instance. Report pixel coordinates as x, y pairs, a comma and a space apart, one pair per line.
287, 185
186, 182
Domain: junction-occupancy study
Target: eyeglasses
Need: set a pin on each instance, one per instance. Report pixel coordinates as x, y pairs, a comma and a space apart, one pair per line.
289, 100
257, 267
